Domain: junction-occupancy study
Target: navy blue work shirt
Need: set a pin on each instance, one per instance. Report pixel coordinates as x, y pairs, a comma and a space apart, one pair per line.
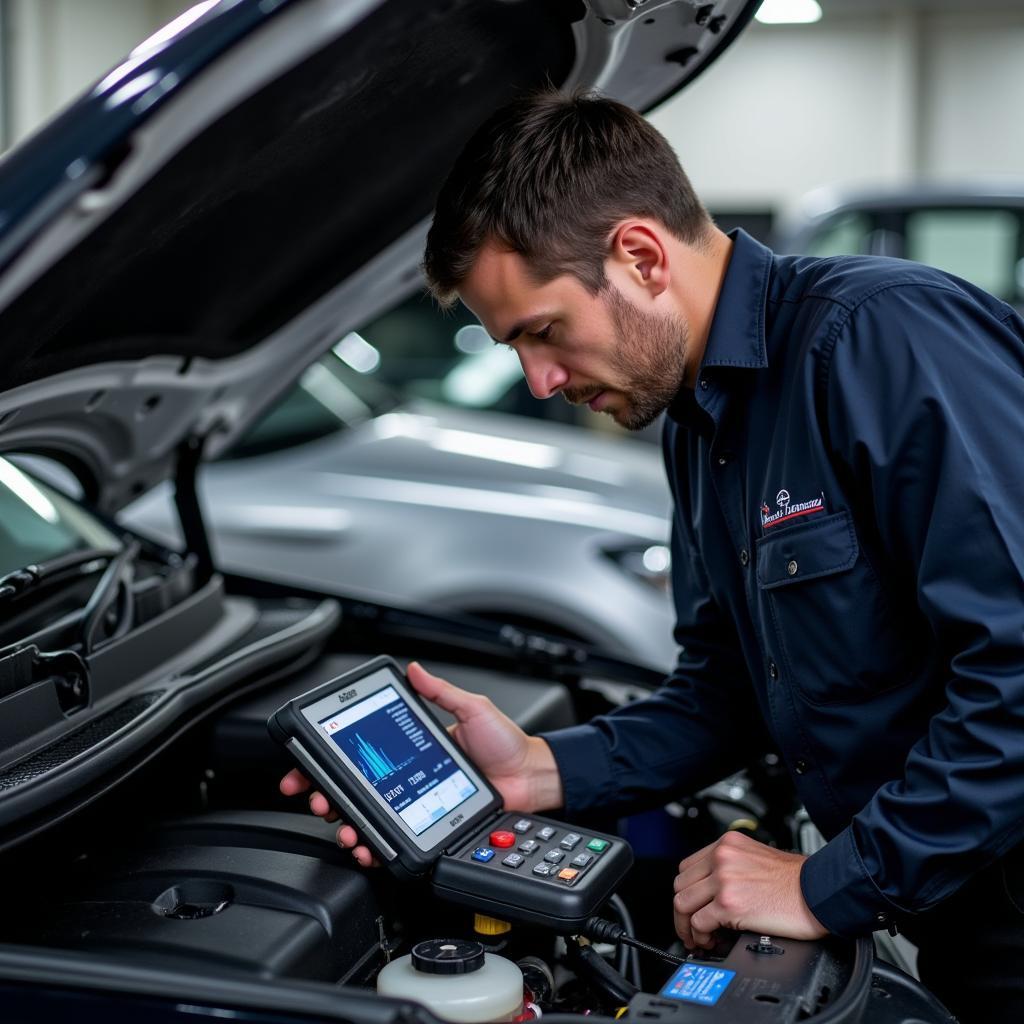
848, 545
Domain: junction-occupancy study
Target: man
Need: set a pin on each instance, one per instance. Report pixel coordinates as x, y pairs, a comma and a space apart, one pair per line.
843, 442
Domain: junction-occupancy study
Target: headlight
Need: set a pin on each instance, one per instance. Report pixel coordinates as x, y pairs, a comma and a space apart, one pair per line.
651, 563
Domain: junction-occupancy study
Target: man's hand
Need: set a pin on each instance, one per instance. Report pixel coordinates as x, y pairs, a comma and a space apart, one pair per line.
739, 883
520, 767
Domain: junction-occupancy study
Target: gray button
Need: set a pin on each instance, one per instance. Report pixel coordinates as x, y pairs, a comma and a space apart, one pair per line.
570, 841
792, 568
581, 860
801, 767
522, 825
546, 833
542, 869
554, 856
528, 845
773, 670
744, 556
723, 460
704, 385
513, 860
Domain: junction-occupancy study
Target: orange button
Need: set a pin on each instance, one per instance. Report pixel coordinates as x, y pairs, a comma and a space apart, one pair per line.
567, 874
503, 839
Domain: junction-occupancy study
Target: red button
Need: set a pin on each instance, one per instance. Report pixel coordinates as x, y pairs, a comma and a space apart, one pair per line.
503, 839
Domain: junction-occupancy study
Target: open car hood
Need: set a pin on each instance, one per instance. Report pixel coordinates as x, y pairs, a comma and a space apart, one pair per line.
181, 242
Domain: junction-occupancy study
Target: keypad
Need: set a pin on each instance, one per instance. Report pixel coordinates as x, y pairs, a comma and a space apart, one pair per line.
530, 838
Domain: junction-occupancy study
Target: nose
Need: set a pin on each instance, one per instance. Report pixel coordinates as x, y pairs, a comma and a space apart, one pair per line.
544, 376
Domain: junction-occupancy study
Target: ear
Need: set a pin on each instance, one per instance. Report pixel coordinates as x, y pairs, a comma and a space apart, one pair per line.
639, 252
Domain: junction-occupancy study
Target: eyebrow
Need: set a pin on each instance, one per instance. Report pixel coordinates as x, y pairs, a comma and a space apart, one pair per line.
521, 326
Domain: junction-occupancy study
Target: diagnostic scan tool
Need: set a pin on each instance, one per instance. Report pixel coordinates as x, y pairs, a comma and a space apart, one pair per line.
372, 746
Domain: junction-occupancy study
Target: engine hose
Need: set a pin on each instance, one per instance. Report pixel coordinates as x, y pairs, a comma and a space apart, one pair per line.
588, 963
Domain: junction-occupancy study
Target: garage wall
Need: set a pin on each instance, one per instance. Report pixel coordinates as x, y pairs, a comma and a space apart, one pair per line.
872, 94
56, 48
878, 99
975, 78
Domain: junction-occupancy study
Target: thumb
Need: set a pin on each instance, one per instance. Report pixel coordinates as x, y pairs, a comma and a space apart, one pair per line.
440, 692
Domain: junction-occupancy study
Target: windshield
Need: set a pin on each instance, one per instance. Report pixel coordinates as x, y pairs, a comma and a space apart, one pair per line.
38, 524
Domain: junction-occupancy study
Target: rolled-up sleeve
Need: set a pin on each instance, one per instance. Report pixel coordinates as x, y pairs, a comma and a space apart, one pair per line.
923, 400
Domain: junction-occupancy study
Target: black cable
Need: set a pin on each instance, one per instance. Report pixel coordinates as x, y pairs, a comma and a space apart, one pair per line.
598, 930
632, 958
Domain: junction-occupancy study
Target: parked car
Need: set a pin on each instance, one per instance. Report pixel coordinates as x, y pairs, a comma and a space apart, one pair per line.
540, 525
175, 250
973, 230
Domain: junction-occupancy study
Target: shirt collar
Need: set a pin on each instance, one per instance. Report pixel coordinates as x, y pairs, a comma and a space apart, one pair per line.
737, 335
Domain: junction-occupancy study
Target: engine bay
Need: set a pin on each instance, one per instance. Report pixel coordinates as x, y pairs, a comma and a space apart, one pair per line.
155, 846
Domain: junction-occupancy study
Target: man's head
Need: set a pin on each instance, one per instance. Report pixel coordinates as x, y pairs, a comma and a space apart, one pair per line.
561, 226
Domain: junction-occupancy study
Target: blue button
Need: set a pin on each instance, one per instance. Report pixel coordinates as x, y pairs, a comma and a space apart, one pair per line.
482, 853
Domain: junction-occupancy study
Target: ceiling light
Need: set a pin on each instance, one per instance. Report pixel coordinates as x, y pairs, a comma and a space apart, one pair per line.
789, 12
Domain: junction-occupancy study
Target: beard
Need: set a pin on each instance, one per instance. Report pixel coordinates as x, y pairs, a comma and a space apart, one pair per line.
649, 359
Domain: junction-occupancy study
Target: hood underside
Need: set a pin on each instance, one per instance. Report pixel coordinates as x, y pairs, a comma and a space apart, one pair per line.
249, 207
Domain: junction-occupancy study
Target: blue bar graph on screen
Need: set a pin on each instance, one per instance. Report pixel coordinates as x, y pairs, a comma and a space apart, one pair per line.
372, 761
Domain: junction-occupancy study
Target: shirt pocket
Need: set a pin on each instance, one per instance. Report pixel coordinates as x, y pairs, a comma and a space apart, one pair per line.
825, 607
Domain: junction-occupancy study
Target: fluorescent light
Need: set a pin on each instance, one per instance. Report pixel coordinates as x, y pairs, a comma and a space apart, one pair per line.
472, 339
788, 12
16, 481
355, 351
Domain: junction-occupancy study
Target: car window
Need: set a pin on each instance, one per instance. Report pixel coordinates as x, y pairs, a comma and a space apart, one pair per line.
846, 235
38, 524
329, 397
978, 245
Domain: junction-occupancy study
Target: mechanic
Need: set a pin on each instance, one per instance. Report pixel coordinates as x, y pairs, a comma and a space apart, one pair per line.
844, 442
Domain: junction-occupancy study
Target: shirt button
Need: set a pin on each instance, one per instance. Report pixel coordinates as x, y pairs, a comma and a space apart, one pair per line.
704, 385
882, 918
744, 556
773, 670
723, 460
792, 568
801, 767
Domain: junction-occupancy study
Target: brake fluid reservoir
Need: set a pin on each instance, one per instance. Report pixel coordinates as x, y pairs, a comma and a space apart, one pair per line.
457, 980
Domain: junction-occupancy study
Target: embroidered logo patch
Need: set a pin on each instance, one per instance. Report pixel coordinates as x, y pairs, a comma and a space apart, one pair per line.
789, 509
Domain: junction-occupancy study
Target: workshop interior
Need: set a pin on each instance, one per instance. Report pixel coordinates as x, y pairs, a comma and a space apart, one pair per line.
249, 471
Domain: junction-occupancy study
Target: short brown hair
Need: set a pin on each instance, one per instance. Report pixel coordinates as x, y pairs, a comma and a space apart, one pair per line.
549, 176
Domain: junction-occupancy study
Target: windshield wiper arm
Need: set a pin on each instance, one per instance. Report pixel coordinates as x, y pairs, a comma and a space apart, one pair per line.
31, 577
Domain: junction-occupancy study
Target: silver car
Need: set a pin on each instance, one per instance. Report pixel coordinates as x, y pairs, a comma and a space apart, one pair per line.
537, 524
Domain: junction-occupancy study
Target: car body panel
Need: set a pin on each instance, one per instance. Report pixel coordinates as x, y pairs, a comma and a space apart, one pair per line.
447, 509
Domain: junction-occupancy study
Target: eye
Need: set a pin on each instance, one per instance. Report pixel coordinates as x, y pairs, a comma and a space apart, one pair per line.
544, 333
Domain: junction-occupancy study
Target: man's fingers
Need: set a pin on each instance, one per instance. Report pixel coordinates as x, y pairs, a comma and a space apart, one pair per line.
321, 808
440, 692
692, 870
349, 839
294, 782
693, 897
707, 920
682, 925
